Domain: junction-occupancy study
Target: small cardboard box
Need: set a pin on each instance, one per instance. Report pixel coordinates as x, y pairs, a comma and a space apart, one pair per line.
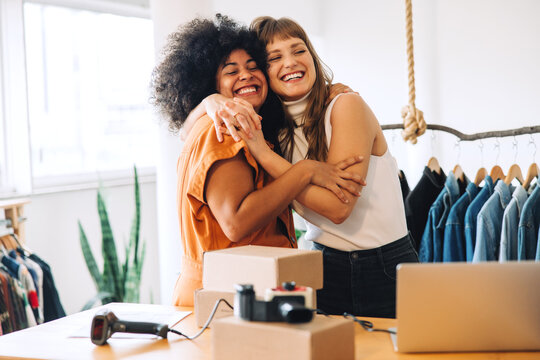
321, 339
262, 266
205, 300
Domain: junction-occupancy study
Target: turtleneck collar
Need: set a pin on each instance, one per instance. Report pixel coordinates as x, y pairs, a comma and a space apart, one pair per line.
295, 109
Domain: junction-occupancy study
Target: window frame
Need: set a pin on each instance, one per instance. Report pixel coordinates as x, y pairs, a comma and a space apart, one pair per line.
17, 178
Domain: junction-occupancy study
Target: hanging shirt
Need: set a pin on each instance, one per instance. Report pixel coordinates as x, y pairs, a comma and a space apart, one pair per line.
52, 306
405, 190
510, 224
432, 239
537, 258
489, 224
471, 216
454, 232
529, 223
419, 201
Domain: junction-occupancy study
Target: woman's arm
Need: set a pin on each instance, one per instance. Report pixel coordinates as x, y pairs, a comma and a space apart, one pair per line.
354, 129
238, 206
239, 115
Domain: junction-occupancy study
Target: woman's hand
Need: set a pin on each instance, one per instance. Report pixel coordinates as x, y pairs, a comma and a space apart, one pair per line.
256, 144
231, 115
336, 178
336, 89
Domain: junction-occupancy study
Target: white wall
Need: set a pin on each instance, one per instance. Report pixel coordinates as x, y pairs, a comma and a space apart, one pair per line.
53, 234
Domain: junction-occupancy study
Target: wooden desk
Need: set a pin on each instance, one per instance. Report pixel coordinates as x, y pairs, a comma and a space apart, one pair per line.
52, 341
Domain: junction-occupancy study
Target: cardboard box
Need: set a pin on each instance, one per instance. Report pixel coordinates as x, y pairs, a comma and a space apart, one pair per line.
262, 266
205, 300
323, 338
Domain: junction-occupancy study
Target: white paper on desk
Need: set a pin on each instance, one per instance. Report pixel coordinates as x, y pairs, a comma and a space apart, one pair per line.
160, 316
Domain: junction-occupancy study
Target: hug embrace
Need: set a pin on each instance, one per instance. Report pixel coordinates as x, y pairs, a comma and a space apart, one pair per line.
266, 131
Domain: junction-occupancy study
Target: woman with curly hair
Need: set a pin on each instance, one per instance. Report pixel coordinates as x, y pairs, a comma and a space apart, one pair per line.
224, 198
365, 238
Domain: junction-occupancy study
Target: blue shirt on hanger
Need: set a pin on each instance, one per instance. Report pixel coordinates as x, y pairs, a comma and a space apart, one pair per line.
471, 216
454, 232
489, 224
528, 227
509, 233
432, 239
538, 246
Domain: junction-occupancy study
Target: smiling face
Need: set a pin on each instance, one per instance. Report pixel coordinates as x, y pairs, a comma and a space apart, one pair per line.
240, 77
291, 69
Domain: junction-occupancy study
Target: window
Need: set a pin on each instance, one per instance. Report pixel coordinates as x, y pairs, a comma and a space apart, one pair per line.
88, 76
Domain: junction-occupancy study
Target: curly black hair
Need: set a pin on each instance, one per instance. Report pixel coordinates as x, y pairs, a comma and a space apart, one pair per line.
192, 57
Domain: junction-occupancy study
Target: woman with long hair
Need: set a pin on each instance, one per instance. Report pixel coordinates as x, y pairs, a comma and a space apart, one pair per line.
224, 198
364, 238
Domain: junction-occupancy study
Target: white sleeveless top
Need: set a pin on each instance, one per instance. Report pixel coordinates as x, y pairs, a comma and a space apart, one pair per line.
378, 217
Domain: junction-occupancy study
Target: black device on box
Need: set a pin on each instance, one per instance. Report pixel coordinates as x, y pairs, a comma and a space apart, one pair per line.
282, 307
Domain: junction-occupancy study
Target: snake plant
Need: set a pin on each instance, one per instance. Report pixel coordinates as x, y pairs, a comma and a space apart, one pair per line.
116, 282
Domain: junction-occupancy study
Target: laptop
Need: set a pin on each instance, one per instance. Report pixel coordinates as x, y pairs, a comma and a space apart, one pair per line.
453, 307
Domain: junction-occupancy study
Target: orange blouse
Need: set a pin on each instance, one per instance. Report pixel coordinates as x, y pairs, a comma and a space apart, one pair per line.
199, 229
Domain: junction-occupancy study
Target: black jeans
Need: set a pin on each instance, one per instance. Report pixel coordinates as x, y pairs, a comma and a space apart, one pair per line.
363, 282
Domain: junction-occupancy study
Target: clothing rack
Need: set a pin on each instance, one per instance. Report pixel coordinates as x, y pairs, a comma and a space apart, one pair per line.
477, 136
14, 216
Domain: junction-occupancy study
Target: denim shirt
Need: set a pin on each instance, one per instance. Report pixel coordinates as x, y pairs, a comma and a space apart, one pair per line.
509, 233
454, 232
489, 224
538, 246
471, 216
528, 227
432, 239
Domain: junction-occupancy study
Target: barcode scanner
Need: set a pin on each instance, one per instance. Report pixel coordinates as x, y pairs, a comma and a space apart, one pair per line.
105, 323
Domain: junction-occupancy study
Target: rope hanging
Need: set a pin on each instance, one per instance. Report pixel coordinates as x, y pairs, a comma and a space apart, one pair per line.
413, 118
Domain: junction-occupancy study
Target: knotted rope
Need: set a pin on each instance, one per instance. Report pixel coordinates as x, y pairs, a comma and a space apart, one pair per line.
413, 118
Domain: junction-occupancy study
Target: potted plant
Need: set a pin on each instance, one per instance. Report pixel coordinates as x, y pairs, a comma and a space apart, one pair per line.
118, 282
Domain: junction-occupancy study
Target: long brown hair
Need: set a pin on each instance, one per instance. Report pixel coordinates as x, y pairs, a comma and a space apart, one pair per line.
268, 29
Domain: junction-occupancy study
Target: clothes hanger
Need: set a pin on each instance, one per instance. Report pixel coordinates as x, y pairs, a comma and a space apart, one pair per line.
514, 173
8, 243
458, 173
496, 173
532, 173
21, 247
433, 165
480, 176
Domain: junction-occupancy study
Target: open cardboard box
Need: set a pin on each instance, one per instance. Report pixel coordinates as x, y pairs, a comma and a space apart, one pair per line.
322, 338
262, 266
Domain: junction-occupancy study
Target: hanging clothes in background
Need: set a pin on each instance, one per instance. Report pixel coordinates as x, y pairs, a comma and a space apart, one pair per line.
27, 291
52, 307
529, 224
510, 225
489, 224
431, 245
454, 248
471, 216
404, 184
468, 222
419, 201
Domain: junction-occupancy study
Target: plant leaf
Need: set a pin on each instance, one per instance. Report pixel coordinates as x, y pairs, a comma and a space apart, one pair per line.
136, 223
111, 270
101, 297
89, 258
